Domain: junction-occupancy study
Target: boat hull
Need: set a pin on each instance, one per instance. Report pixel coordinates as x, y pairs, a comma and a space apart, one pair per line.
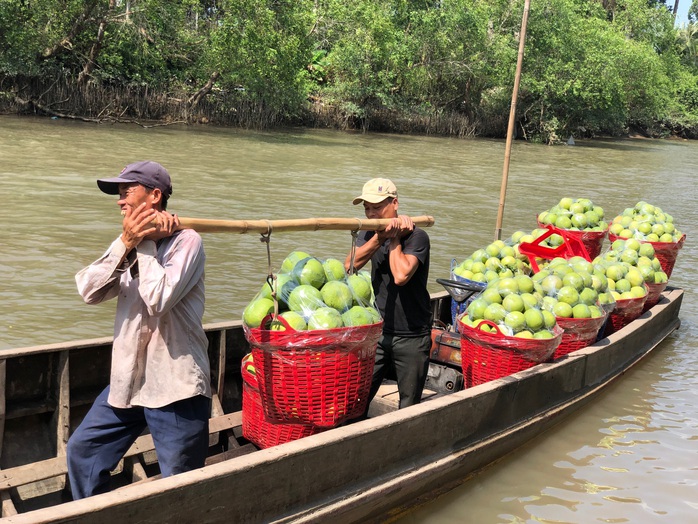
374, 469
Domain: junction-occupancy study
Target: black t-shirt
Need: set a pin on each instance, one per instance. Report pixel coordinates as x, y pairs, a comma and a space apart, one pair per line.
406, 309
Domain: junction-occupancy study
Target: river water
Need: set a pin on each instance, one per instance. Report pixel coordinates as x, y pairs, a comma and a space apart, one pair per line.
630, 456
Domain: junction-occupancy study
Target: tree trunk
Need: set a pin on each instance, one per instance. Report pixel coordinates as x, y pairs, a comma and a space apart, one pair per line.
196, 98
96, 47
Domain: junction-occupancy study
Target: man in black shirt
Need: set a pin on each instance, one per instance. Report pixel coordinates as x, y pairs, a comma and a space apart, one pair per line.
399, 257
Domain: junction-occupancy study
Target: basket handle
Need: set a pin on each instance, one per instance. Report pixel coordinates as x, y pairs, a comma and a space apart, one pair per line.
249, 372
281, 320
489, 323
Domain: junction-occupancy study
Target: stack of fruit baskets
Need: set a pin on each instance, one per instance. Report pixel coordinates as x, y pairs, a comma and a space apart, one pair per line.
499, 259
313, 332
649, 224
505, 330
580, 219
579, 297
627, 285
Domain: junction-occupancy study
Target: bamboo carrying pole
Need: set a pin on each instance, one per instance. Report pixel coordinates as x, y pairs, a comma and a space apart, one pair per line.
203, 225
510, 128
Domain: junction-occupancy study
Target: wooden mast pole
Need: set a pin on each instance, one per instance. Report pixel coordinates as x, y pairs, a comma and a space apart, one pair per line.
512, 118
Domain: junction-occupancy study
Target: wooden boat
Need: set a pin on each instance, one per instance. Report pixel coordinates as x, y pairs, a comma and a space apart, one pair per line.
362, 472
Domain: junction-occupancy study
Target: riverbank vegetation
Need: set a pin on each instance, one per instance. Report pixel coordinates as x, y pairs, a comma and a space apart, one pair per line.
591, 67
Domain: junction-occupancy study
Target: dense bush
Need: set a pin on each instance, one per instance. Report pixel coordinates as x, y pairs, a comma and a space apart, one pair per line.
590, 67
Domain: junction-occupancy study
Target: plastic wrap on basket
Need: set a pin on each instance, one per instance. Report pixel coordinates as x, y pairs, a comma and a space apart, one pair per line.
626, 311
460, 297
489, 356
578, 333
319, 377
255, 427
666, 252
654, 294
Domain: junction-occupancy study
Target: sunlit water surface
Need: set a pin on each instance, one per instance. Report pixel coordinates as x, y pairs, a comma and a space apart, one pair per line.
630, 456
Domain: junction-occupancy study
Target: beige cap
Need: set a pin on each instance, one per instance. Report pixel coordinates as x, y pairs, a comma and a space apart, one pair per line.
376, 190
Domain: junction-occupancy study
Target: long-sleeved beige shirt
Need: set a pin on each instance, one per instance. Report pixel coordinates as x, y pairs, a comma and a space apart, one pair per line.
159, 353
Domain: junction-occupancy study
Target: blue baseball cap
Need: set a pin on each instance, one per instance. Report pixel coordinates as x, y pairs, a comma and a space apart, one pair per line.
146, 172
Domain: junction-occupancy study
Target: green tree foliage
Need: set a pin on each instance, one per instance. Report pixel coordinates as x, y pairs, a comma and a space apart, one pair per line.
590, 66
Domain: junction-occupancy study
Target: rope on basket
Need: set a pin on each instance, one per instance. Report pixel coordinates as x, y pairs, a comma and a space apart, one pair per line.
354, 235
271, 277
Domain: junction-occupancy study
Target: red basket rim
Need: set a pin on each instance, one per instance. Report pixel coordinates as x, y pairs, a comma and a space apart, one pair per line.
312, 339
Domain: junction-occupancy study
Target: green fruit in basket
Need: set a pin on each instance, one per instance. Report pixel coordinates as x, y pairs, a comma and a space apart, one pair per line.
638, 291
595, 311
543, 334
549, 319
325, 318
562, 309
551, 284
563, 222
635, 276
361, 290
357, 316
530, 301
305, 298
524, 283
524, 334
588, 296
534, 319
285, 283
491, 295
513, 302
334, 269
507, 251
568, 294
666, 237
507, 286
292, 259
660, 277
310, 272
623, 285
337, 294
581, 311
579, 220
566, 202
374, 314
646, 250
476, 309
495, 313
573, 279
515, 320
256, 310
293, 319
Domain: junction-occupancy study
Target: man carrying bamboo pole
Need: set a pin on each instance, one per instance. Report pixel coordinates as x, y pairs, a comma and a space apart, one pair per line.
399, 256
160, 373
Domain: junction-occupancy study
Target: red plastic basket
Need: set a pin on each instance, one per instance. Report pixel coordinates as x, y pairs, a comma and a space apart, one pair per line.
577, 333
489, 356
666, 252
571, 246
255, 427
655, 292
319, 377
626, 311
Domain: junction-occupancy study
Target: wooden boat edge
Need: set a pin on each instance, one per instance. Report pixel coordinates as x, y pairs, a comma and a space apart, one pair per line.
355, 494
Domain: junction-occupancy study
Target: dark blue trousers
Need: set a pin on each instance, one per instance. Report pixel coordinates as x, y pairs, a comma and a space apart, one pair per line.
179, 430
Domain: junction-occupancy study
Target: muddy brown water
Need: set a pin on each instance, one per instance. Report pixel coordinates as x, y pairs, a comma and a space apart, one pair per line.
630, 456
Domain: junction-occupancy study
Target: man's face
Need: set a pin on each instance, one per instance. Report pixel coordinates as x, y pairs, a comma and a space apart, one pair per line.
385, 209
132, 196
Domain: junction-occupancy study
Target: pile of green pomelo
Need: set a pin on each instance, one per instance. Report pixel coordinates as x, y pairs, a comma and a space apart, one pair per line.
313, 294
525, 304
